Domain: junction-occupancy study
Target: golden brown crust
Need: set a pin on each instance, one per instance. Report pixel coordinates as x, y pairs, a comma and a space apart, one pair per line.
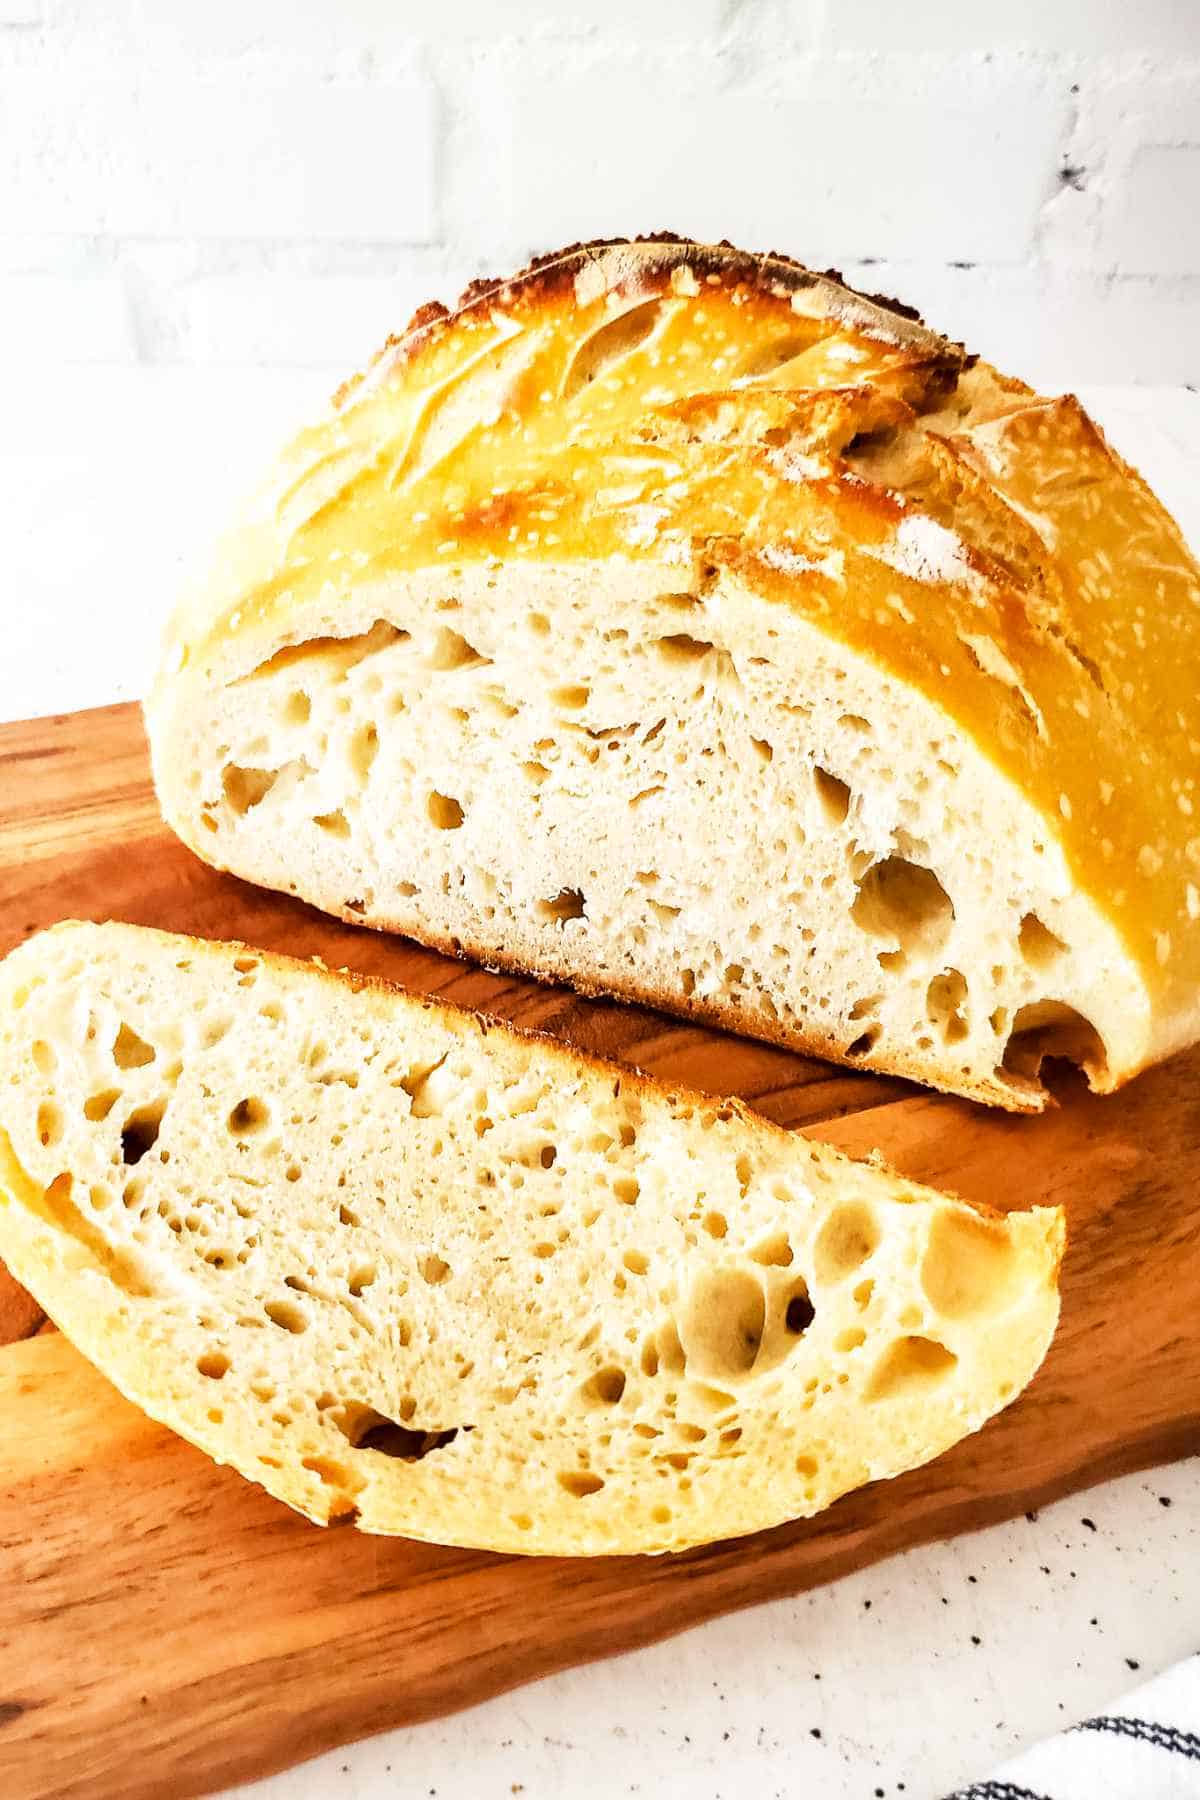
549, 280
761, 412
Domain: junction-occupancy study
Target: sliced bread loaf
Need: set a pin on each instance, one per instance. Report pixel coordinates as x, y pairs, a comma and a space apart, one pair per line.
679, 624
410, 1268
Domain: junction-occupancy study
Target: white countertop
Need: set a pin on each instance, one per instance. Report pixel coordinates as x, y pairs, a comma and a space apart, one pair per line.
906, 1679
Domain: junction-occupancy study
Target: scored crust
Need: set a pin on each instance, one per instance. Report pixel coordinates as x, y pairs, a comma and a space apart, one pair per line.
552, 279
1001, 568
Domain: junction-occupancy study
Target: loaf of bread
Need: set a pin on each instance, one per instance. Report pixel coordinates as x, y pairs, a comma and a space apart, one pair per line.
408, 1267
679, 624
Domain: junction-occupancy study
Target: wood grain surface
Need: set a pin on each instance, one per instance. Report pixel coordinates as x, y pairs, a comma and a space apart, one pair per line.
165, 1628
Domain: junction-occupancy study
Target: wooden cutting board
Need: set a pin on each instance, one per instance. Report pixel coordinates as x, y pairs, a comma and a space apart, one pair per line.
165, 1628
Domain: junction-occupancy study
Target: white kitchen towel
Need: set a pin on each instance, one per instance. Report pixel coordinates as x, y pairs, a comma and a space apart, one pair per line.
1146, 1746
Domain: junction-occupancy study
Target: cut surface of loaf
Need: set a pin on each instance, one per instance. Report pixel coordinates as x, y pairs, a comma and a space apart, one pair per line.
410, 1268
679, 624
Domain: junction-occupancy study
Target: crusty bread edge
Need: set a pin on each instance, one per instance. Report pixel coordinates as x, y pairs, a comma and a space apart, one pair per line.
740, 1022
549, 275
64, 1300
475, 1019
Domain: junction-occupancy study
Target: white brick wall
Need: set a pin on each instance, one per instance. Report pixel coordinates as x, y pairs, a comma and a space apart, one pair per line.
217, 156
816, 158
281, 181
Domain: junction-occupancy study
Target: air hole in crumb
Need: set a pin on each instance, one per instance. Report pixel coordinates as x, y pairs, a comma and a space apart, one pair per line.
434, 1270
1038, 944
248, 1117
774, 1252
671, 1353
129, 1051
848, 1237
287, 1315
45, 1057
970, 1265
335, 824
364, 747
452, 651
547, 1155
361, 1277
807, 1466
901, 900
834, 795
799, 1313
908, 1366
214, 1364
715, 1224
850, 1339
627, 1188
98, 1106
444, 812
605, 1387
336, 1475
246, 788
763, 748
367, 1429
865, 1042
945, 998
722, 1326
296, 708
421, 1090
568, 903
635, 1262
1049, 1028
580, 1482
679, 647
139, 1133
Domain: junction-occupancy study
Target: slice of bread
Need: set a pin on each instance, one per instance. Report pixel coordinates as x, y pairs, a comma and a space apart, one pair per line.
679, 624
408, 1267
